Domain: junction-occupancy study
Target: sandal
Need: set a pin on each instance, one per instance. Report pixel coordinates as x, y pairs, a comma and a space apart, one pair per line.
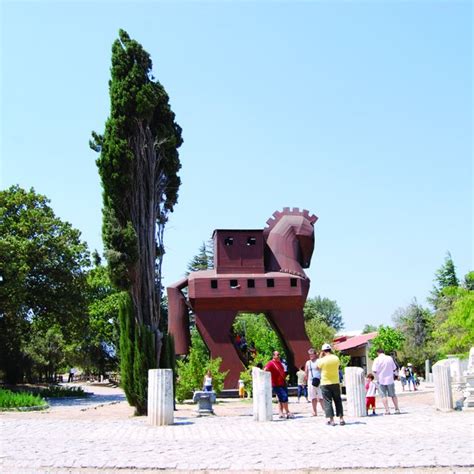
342, 423
289, 415
331, 423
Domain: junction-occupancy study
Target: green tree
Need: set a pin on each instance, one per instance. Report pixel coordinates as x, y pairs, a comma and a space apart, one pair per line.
260, 334
416, 324
99, 347
445, 276
455, 335
46, 351
138, 166
203, 260
469, 281
369, 328
42, 261
319, 332
325, 309
388, 339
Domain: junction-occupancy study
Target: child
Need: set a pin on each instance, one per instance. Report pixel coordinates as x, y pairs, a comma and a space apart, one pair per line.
302, 386
207, 382
241, 388
371, 388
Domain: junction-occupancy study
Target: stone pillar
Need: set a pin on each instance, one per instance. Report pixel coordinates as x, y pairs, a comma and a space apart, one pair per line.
442, 385
160, 397
262, 395
355, 391
428, 371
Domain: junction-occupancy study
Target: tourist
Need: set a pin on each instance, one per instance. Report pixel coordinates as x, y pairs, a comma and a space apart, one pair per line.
371, 389
72, 372
241, 388
208, 382
279, 387
403, 377
302, 386
410, 377
312, 372
329, 364
384, 368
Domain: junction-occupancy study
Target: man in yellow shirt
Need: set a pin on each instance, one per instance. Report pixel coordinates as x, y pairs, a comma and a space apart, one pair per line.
329, 364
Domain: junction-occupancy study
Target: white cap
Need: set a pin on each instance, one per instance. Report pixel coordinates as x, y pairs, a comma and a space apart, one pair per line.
326, 347
409, 364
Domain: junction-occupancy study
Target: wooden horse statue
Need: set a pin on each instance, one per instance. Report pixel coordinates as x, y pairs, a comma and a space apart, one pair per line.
258, 271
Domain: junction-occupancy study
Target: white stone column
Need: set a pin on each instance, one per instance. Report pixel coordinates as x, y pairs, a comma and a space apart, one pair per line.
160, 397
262, 395
442, 386
355, 391
427, 371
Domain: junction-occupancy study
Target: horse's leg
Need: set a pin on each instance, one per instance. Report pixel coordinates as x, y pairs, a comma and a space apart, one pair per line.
290, 325
214, 327
178, 317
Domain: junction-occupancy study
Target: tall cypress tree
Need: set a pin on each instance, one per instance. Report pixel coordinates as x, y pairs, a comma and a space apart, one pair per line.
138, 165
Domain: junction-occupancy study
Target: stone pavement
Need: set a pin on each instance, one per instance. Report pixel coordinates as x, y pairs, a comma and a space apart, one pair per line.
103, 436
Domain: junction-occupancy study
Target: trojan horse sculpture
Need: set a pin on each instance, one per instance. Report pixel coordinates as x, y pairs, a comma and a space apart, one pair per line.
259, 271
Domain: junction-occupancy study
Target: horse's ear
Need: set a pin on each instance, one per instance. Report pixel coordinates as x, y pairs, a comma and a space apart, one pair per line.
312, 218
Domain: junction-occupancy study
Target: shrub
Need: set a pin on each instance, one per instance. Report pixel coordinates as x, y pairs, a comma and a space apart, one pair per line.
191, 371
56, 391
12, 400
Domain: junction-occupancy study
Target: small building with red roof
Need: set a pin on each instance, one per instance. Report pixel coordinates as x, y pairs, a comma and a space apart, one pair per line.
357, 347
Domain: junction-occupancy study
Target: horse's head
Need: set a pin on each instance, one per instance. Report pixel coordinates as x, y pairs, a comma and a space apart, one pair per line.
290, 237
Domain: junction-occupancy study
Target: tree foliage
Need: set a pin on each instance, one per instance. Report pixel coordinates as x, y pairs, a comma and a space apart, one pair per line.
445, 277
99, 347
388, 339
319, 332
416, 324
204, 259
260, 334
455, 334
369, 328
324, 309
41, 262
191, 371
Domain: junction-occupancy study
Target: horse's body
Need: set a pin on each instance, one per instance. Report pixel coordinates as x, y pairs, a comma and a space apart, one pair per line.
255, 271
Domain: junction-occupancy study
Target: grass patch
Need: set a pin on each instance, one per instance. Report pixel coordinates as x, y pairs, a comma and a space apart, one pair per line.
57, 391
10, 400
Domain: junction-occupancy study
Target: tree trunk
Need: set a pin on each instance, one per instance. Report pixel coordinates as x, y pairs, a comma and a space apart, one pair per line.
145, 216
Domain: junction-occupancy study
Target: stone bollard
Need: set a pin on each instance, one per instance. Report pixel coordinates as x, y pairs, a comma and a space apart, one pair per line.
160, 397
204, 400
442, 385
355, 391
428, 377
262, 395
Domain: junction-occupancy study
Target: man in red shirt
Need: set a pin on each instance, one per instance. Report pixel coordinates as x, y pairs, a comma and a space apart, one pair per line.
275, 367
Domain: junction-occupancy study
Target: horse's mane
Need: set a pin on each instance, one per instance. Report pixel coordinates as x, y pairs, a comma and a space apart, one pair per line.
278, 215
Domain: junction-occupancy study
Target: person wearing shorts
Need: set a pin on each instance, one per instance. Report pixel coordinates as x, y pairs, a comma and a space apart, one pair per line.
277, 372
314, 393
384, 368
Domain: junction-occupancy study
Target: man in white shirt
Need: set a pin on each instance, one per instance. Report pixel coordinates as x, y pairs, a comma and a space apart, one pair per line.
383, 368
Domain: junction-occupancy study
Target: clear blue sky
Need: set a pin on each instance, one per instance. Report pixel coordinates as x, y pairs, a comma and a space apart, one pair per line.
360, 112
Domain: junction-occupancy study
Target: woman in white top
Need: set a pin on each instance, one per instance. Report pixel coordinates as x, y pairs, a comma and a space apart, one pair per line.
314, 393
208, 382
